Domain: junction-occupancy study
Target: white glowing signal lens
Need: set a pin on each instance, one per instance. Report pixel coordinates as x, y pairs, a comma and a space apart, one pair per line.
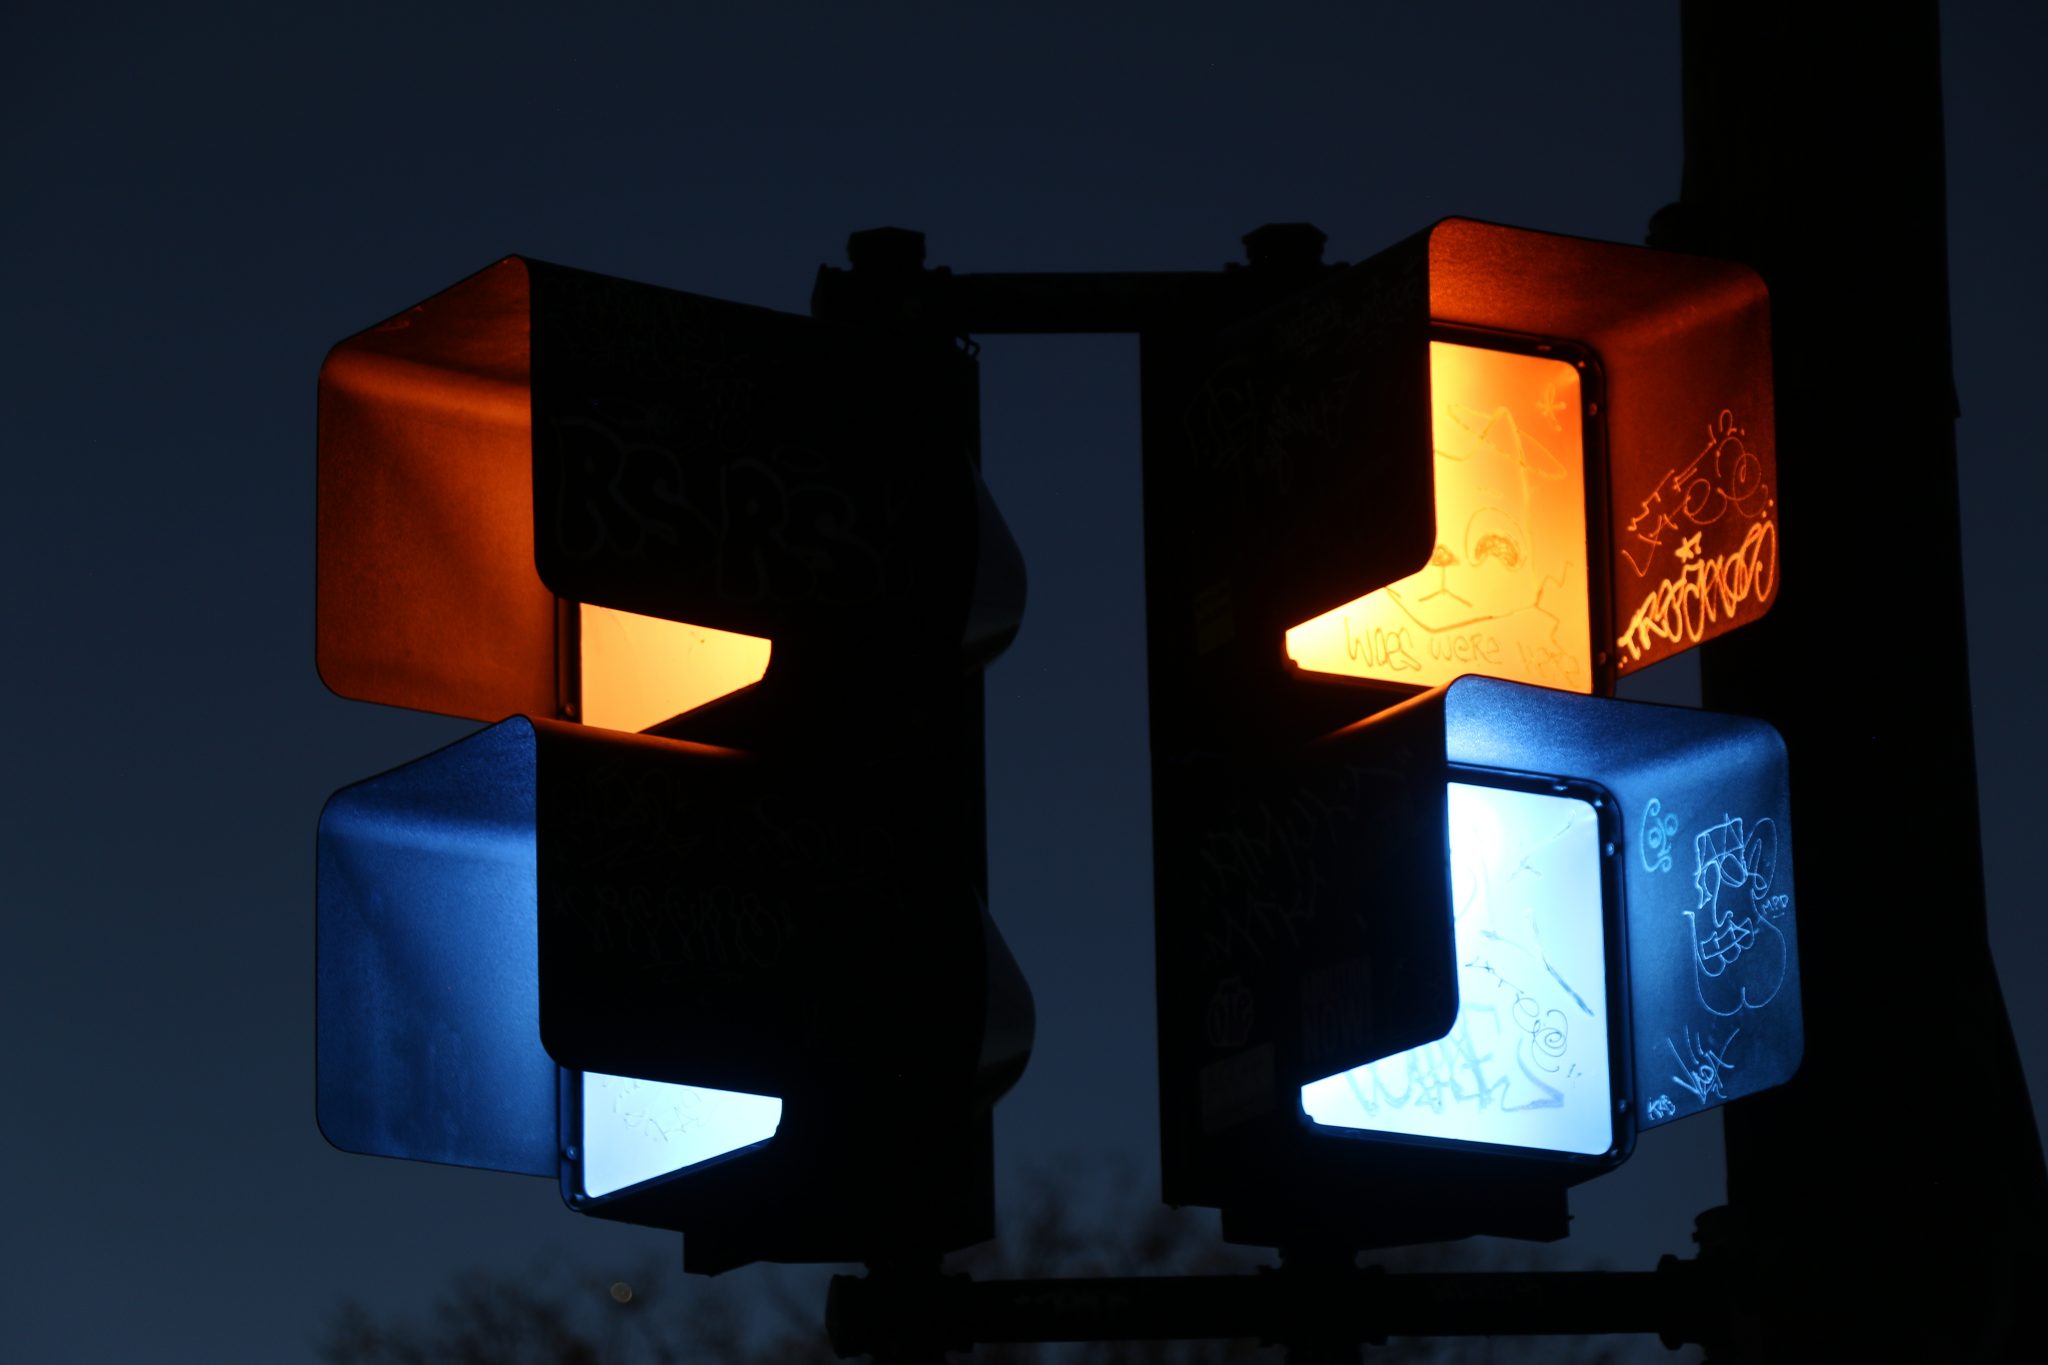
634, 1130
1526, 1063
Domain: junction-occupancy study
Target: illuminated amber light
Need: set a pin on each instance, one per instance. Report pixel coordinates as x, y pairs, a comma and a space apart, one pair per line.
639, 671
1504, 593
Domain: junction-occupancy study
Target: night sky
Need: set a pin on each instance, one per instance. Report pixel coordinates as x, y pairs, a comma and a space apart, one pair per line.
200, 200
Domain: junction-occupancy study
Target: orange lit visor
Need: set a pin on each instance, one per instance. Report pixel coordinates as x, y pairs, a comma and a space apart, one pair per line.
1505, 591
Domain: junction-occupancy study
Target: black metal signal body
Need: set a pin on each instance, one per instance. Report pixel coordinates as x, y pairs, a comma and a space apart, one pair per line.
1268, 974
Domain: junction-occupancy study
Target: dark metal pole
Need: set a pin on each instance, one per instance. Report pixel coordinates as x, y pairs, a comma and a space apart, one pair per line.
1905, 1155
888, 283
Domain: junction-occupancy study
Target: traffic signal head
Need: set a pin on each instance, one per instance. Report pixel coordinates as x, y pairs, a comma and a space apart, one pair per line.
747, 986
670, 976
1420, 972
1484, 450
1701, 810
543, 489
1586, 905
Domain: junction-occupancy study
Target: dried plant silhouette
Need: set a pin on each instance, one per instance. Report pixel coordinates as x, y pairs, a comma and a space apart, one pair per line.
1099, 1223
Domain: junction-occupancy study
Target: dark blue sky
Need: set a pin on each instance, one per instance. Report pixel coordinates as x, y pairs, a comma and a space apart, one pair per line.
201, 200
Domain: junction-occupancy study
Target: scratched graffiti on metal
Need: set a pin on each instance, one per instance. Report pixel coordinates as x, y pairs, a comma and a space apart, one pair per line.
1702, 1064
1739, 953
1654, 848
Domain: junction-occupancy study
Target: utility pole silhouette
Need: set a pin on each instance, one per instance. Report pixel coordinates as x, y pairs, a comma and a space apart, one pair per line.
1905, 1157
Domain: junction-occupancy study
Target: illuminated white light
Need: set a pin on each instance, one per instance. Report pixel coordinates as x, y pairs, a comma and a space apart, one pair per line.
635, 1130
1525, 1065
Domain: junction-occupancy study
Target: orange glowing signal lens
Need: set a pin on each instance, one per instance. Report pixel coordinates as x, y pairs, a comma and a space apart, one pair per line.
1505, 591
639, 671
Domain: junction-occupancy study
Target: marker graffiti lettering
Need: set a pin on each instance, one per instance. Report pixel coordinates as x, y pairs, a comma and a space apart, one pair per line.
1379, 647
1705, 589
1722, 475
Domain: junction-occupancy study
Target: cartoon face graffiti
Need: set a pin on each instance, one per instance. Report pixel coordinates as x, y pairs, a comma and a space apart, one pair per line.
1504, 592
1494, 468
1738, 952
